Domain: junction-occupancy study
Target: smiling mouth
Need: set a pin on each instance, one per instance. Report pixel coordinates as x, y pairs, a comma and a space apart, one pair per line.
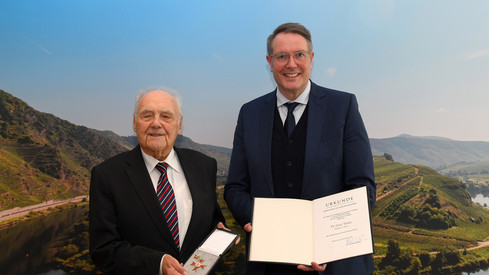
292, 75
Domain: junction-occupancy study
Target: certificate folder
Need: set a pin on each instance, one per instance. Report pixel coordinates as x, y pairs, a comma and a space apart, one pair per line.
298, 231
210, 251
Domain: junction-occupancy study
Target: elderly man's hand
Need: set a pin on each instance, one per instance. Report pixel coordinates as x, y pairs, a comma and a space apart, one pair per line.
171, 266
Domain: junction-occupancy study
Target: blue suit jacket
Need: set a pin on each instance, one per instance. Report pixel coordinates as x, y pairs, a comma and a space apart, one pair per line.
337, 158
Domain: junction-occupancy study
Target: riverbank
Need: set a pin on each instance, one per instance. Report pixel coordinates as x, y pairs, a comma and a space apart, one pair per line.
32, 242
23, 211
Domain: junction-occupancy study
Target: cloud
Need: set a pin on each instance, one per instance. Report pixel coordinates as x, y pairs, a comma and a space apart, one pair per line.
478, 54
330, 71
37, 45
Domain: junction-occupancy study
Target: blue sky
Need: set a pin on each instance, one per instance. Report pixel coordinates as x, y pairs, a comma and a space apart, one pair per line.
417, 67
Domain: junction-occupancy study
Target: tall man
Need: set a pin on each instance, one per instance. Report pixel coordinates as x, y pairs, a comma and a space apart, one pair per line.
299, 141
134, 228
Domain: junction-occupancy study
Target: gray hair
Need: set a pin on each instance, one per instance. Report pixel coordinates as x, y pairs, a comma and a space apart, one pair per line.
173, 93
290, 28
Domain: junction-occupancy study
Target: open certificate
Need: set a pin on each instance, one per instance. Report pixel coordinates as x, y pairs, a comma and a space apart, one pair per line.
298, 231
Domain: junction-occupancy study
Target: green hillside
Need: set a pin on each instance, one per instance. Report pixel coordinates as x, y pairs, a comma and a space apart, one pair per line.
470, 172
43, 157
424, 210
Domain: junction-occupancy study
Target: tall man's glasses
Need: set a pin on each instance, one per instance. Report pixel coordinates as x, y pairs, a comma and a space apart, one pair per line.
283, 58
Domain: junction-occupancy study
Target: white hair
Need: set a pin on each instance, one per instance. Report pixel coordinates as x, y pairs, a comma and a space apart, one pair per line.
171, 92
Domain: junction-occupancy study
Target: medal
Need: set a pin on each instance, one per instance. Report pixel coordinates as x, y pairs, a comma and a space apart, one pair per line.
198, 264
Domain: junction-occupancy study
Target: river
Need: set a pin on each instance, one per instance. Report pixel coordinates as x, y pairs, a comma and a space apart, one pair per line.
479, 198
480, 272
27, 247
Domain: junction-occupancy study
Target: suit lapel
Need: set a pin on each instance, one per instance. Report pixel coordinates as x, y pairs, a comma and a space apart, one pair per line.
193, 177
266, 114
316, 121
138, 176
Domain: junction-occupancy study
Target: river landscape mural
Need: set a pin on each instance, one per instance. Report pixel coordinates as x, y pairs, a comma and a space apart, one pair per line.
424, 222
69, 72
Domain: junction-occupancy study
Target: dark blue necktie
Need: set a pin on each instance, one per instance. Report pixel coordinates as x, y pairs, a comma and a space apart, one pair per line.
290, 120
167, 201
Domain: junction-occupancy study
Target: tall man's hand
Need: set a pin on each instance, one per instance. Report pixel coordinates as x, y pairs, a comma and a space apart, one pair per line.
220, 225
247, 227
314, 267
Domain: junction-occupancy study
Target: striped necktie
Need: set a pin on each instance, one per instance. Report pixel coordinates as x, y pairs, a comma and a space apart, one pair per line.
167, 201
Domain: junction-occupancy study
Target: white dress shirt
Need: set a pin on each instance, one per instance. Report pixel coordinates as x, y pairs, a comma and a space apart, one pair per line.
177, 179
299, 109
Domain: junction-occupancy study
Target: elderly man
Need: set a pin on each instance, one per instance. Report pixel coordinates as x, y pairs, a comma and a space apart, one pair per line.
152, 206
300, 141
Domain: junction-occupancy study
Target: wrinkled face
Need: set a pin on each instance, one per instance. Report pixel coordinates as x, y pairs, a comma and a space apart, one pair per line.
291, 77
157, 123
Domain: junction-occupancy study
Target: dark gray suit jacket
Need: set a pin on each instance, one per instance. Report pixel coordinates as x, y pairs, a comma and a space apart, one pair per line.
128, 233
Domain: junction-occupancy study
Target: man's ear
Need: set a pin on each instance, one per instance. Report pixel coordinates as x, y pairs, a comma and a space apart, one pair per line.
180, 125
269, 60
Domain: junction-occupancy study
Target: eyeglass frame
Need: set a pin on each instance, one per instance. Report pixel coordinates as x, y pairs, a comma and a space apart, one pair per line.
306, 54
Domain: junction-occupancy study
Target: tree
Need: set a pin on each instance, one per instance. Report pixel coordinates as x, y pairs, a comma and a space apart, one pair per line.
67, 251
406, 214
437, 263
433, 200
393, 254
405, 260
452, 257
393, 250
415, 267
388, 157
425, 259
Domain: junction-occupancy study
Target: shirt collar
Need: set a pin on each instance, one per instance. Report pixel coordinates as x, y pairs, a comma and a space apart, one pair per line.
302, 99
171, 160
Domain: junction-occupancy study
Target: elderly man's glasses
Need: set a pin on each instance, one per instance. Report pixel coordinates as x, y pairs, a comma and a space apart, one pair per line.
283, 58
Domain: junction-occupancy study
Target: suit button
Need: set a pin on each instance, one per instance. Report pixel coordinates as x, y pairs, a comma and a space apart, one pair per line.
290, 141
289, 184
289, 163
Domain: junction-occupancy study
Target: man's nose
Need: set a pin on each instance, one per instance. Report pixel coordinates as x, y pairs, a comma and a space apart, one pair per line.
156, 123
291, 62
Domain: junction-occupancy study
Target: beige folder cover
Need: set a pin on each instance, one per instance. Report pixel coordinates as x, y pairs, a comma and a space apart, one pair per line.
300, 231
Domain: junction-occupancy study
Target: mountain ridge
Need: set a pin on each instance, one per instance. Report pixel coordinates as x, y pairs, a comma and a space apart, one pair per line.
435, 152
44, 157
